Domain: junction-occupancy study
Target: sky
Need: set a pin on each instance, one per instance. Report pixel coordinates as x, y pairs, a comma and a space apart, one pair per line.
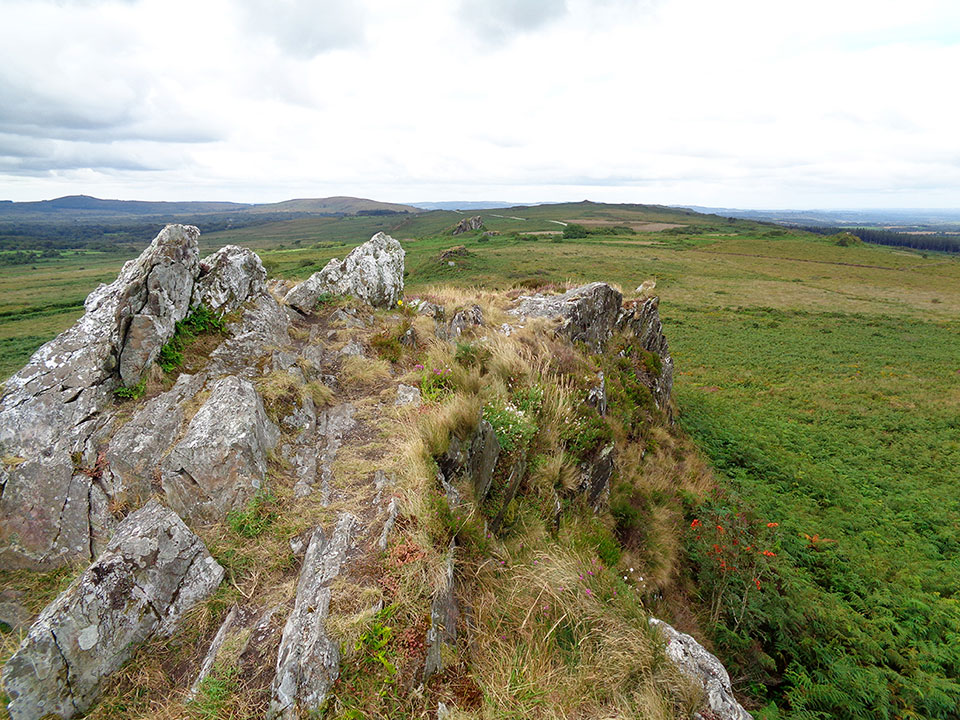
723, 103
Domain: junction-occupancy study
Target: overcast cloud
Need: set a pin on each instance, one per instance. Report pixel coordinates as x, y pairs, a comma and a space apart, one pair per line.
745, 103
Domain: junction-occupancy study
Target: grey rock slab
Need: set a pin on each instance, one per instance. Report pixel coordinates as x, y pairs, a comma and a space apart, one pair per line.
228, 278
153, 571
589, 313
207, 665
308, 662
407, 395
332, 425
443, 618
263, 329
222, 459
595, 476
137, 448
52, 407
482, 459
388, 524
694, 661
352, 349
372, 272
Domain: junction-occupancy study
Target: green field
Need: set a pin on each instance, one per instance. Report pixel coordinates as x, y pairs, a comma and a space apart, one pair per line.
822, 382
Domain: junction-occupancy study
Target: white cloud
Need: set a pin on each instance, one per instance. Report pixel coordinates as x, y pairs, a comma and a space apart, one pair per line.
742, 103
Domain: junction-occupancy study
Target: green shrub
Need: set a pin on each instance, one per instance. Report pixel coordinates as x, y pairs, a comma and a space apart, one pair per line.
131, 392
201, 320
515, 428
575, 232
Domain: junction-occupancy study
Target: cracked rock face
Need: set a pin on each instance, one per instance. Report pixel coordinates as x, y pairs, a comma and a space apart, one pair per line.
308, 662
695, 662
443, 619
589, 313
221, 461
53, 406
468, 224
153, 571
228, 277
372, 272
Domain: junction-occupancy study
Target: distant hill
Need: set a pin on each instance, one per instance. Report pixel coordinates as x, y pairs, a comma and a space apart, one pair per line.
466, 205
339, 205
86, 207
899, 218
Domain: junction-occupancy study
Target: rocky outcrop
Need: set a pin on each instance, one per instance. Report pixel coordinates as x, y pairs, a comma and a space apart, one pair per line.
55, 404
595, 476
152, 572
696, 663
262, 329
443, 619
588, 313
642, 320
372, 272
592, 313
468, 224
228, 278
462, 320
308, 662
221, 461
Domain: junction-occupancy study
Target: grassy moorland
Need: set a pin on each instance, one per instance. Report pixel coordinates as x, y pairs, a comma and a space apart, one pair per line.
821, 382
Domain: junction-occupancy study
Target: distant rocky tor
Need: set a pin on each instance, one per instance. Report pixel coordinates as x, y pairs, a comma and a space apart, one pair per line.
468, 224
131, 489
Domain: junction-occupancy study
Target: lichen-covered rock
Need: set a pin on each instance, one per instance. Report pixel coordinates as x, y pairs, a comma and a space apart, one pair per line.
152, 572
443, 619
468, 224
55, 404
372, 272
137, 448
221, 461
228, 278
462, 319
407, 395
642, 319
695, 662
589, 313
262, 330
308, 662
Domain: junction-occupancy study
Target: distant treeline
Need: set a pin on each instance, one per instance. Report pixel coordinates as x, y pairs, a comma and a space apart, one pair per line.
938, 242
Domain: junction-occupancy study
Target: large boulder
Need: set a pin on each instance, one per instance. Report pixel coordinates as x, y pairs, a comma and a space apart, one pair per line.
694, 661
228, 278
52, 407
588, 313
221, 461
152, 572
372, 272
308, 662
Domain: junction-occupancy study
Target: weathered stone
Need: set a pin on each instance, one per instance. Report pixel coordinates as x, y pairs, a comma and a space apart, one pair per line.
153, 571
136, 450
597, 395
443, 619
228, 278
425, 307
696, 663
388, 524
407, 395
352, 349
332, 425
207, 665
372, 272
595, 476
642, 319
589, 313
482, 460
262, 331
462, 320
308, 662
409, 338
222, 459
13, 615
54, 405
517, 473
468, 224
